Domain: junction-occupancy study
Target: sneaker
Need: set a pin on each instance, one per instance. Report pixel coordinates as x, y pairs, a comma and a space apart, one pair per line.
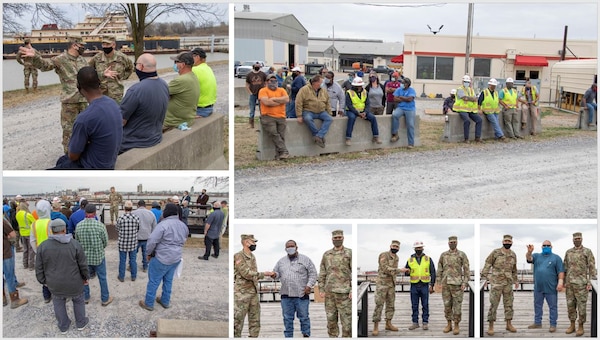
143, 305
160, 303
534, 326
377, 140
110, 299
47, 300
348, 142
394, 138
320, 142
64, 332
87, 301
87, 321
121, 279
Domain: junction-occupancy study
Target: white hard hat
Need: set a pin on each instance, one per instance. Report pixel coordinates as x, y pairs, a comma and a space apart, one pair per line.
453, 91
493, 82
467, 78
418, 244
19, 197
509, 80
357, 81
296, 69
55, 199
175, 198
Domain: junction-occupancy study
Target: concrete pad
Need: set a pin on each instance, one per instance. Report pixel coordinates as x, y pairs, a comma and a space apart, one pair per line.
453, 129
169, 328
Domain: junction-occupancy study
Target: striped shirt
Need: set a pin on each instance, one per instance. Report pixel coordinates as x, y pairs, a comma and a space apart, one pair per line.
93, 238
295, 274
127, 226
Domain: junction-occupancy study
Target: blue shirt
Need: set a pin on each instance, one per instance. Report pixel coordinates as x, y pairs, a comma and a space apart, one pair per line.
75, 218
297, 84
57, 214
167, 239
545, 272
157, 213
410, 92
97, 134
6, 210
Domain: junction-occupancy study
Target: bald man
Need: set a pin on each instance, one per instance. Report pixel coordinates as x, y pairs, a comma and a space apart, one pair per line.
144, 106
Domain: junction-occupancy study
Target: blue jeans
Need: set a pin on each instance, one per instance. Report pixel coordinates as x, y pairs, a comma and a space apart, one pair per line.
352, 118
592, 108
290, 109
291, 306
409, 116
158, 272
538, 302
142, 244
493, 119
8, 269
123, 262
252, 100
419, 291
309, 118
204, 111
466, 116
100, 270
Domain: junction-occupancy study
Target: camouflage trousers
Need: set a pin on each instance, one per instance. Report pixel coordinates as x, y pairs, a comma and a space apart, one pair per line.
246, 304
453, 297
577, 296
113, 91
68, 114
33, 72
114, 213
384, 295
338, 304
507, 299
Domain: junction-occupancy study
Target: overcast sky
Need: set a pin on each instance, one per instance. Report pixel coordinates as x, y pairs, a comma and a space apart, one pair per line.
312, 240
391, 21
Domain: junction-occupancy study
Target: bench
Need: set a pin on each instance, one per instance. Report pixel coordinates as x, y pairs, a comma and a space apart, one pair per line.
173, 328
200, 148
300, 142
582, 122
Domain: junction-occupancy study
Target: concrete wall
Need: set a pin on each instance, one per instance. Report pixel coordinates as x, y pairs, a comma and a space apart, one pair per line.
200, 148
453, 129
299, 140
582, 122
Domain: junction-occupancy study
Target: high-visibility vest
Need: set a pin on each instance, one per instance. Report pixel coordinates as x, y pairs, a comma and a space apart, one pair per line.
490, 104
533, 93
358, 102
41, 228
510, 97
419, 272
24, 223
462, 105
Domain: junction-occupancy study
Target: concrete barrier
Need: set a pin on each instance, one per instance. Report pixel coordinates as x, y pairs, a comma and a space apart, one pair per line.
240, 96
582, 122
200, 148
299, 140
453, 129
171, 328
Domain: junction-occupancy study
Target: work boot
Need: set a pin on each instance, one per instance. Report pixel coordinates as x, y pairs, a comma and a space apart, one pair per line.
571, 328
509, 327
456, 328
375, 328
250, 123
413, 326
377, 140
490, 328
534, 326
523, 126
348, 142
478, 140
425, 326
579, 329
390, 327
394, 138
16, 302
448, 327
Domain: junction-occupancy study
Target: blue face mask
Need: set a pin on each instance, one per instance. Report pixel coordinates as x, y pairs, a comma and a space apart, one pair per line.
546, 250
465, 84
291, 250
175, 68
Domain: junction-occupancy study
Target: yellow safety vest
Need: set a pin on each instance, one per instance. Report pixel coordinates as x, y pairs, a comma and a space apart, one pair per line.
490, 104
533, 93
419, 272
41, 228
462, 105
358, 102
24, 223
510, 98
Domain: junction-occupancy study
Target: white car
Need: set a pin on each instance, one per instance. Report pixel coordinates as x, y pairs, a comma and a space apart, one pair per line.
246, 67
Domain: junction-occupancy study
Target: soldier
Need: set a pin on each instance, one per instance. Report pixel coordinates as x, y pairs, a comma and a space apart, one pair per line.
421, 269
114, 198
245, 296
28, 68
386, 287
503, 262
453, 271
335, 284
113, 67
580, 269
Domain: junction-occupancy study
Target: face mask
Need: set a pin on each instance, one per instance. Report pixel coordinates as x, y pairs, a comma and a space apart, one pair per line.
419, 252
350, 78
546, 250
143, 75
175, 68
509, 86
357, 89
372, 79
394, 251
252, 247
107, 50
466, 84
393, 79
577, 243
256, 68
272, 86
294, 75
80, 50
291, 250
507, 245
327, 81
452, 246
338, 243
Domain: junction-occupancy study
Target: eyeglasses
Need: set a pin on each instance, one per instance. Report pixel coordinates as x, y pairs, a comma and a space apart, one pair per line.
546, 246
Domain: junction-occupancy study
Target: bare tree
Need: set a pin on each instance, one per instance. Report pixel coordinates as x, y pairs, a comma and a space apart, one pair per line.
213, 181
40, 13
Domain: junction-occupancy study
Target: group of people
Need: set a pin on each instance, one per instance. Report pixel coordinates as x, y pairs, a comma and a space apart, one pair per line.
322, 98
100, 120
298, 276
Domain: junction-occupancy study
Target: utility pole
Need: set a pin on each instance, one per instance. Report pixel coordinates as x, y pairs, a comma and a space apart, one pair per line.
469, 35
564, 49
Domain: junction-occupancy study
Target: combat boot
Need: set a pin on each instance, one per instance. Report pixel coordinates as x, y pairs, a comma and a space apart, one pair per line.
448, 327
456, 330
15, 301
509, 327
375, 328
491, 328
579, 329
571, 328
389, 326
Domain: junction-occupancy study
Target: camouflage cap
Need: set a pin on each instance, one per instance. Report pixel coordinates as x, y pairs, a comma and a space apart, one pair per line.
248, 237
107, 39
396, 243
76, 40
337, 233
577, 235
507, 238
452, 238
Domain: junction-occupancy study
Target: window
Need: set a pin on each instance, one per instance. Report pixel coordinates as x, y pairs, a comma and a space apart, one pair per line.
520, 75
534, 74
482, 67
438, 68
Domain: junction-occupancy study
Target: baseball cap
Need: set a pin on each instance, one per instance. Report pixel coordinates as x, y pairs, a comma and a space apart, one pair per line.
199, 52
184, 57
296, 69
271, 76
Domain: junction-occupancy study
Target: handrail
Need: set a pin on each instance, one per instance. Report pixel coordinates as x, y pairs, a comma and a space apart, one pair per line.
482, 306
363, 312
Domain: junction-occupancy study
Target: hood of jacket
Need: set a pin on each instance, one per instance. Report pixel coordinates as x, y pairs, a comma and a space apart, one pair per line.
44, 209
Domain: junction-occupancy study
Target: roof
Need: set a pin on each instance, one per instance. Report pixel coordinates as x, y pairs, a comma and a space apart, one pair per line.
524, 60
347, 46
266, 16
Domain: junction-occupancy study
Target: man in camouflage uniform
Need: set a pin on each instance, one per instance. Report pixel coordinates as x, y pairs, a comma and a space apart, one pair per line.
503, 263
453, 271
580, 268
28, 68
113, 67
114, 198
335, 284
386, 287
245, 297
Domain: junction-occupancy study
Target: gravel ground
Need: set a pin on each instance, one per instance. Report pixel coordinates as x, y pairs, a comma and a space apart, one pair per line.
200, 294
41, 118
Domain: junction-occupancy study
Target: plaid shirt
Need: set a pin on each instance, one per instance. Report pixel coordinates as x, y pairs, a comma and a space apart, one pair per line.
93, 238
127, 226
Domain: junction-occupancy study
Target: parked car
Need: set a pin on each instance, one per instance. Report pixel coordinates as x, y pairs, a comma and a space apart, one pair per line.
382, 69
246, 67
236, 65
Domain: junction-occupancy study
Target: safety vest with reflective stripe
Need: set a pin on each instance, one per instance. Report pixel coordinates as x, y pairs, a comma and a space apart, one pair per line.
25, 220
358, 102
510, 98
533, 93
419, 272
490, 104
463, 105
41, 228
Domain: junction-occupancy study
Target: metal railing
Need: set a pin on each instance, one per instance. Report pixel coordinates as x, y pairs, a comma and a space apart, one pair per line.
363, 311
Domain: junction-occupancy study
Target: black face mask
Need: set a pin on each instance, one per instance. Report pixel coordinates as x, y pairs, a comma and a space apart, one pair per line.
507, 245
143, 75
80, 50
394, 251
256, 68
252, 247
419, 252
107, 50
